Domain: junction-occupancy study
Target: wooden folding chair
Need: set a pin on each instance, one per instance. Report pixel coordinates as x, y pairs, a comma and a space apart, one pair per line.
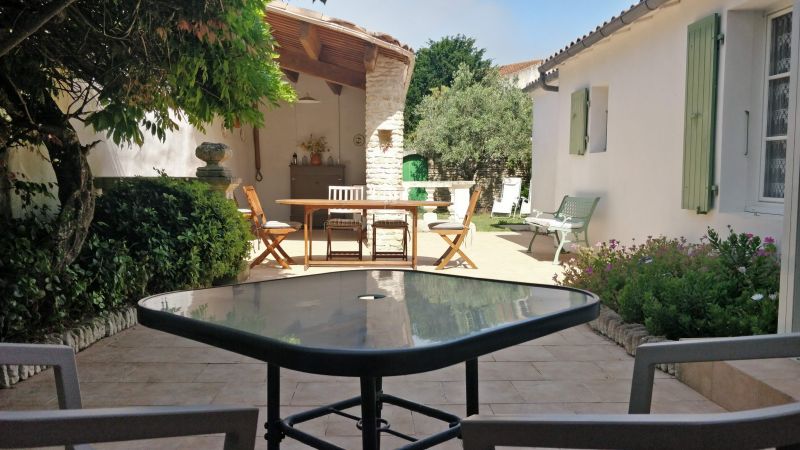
271, 232
459, 231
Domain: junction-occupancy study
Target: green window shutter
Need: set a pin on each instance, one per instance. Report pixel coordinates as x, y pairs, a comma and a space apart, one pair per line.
578, 121
700, 115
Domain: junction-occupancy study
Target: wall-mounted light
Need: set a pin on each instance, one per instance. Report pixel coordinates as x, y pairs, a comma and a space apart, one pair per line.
385, 139
307, 99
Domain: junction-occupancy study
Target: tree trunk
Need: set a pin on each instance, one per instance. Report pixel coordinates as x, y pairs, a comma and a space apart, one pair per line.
5, 186
75, 188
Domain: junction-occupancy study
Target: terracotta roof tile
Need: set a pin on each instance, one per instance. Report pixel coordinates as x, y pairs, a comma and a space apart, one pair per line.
277, 5
516, 67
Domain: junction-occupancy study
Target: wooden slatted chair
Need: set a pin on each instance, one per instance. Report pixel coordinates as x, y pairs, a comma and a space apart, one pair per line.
459, 232
389, 224
271, 232
345, 220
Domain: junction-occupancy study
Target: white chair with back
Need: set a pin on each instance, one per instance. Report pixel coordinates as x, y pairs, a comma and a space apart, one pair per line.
345, 219
507, 203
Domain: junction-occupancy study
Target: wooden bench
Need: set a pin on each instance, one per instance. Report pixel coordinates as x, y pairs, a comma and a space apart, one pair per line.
572, 217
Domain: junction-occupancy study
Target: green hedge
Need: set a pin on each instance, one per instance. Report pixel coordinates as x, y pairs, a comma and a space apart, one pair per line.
148, 236
34, 300
718, 287
183, 231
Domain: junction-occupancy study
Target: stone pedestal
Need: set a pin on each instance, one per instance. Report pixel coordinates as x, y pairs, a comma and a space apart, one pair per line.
218, 177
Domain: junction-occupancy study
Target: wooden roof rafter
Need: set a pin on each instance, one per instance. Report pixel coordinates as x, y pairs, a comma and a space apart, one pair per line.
334, 50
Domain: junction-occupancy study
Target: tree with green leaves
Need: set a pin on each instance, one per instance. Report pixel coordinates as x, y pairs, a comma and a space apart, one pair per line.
122, 67
435, 67
475, 123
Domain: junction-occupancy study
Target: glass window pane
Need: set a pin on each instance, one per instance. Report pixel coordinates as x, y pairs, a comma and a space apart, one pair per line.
778, 107
775, 169
780, 44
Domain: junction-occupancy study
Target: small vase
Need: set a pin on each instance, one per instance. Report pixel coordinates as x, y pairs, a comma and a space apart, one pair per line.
316, 159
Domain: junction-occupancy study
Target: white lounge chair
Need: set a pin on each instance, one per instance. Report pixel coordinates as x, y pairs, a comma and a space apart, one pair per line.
507, 203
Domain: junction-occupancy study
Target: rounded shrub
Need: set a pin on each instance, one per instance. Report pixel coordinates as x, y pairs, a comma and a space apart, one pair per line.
185, 234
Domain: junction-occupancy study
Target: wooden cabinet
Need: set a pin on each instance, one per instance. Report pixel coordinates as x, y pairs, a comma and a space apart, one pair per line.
313, 182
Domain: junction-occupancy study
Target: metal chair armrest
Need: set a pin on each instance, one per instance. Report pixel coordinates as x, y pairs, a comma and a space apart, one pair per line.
736, 430
81, 426
699, 350
60, 357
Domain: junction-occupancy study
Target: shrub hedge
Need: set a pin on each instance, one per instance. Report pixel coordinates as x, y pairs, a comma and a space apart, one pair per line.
718, 287
148, 236
183, 231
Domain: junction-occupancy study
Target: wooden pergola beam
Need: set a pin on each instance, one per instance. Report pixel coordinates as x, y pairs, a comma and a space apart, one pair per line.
310, 40
370, 57
291, 75
299, 62
335, 88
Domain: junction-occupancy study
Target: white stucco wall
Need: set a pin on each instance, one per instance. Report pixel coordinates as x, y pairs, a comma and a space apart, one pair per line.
545, 147
524, 77
639, 177
32, 165
285, 127
175, 154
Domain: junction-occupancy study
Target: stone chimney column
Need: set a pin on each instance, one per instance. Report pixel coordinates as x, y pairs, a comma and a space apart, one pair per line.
385, 102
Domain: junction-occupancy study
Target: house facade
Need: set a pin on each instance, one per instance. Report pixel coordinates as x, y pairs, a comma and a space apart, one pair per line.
665, 155
679, 115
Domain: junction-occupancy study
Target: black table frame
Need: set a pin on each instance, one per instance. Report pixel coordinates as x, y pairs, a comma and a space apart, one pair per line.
370, 366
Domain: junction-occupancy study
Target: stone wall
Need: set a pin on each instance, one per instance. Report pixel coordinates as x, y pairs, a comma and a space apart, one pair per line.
385, 102
489, 178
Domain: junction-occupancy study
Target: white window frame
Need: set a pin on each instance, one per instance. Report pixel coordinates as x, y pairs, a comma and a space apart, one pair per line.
760, 204
765, 107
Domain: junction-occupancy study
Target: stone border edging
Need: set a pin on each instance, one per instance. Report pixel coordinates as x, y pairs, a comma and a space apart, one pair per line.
627, 335
79, 338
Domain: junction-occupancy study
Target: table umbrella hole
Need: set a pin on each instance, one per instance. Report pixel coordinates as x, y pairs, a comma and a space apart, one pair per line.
371, 296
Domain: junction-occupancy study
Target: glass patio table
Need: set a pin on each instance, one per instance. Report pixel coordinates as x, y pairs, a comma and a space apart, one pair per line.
368, 324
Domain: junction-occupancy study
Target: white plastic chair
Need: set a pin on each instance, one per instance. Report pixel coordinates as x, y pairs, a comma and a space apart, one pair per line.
76, 427
507, 203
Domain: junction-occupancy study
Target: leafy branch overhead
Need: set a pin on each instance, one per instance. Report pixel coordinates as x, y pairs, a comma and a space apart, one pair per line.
140, 59
126, 68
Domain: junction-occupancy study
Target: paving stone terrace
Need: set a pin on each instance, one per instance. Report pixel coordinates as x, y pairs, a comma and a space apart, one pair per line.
573, 371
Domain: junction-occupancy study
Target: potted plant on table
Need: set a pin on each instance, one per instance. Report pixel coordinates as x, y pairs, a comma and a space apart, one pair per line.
316, 147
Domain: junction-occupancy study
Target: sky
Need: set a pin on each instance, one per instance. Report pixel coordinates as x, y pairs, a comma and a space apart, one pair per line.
509, 30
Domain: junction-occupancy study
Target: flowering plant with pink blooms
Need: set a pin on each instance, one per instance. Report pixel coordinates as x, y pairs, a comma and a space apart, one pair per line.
716, 287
